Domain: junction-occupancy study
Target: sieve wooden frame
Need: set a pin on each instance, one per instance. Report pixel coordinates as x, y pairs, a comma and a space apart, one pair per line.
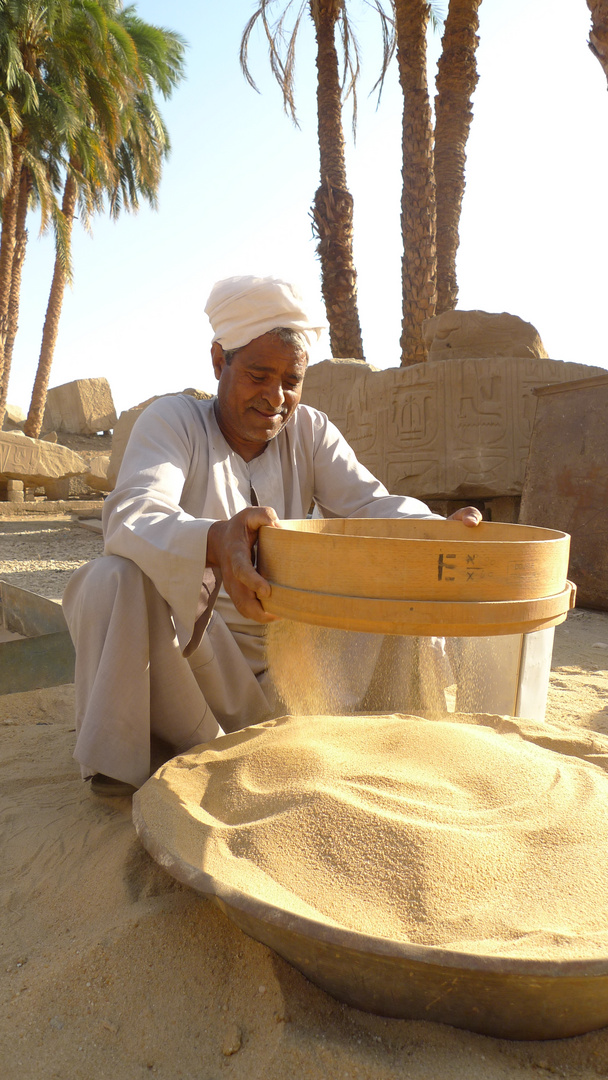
417, 576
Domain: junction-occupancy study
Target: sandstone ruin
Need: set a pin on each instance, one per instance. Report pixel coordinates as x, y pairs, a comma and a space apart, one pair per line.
38, 464
449, 429
124, 426
454, 429
82, 407
464, 335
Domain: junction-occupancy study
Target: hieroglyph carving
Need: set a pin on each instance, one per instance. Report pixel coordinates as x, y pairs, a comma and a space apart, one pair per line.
443, 429
35, 461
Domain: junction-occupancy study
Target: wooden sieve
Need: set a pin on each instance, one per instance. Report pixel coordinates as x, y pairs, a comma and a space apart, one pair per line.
417, 576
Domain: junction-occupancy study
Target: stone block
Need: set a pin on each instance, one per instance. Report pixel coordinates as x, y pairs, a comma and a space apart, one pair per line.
504, 508
464, 335
14, 491
566, 483
456, 429
124, 427
447, 507
35, 462
97, 475
120, 438
57, 490
82, 407
14, 417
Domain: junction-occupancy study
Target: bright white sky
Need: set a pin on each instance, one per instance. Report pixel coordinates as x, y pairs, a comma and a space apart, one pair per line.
240, 180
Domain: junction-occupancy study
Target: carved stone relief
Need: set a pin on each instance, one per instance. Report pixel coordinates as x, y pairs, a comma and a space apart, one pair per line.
442, 429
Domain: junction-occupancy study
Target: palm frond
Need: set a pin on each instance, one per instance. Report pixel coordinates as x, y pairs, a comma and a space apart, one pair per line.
281, 49
389, 44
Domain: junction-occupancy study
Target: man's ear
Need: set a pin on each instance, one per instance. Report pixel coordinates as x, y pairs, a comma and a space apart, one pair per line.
217, 359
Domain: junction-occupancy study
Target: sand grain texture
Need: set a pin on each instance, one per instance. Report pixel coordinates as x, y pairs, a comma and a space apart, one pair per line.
477, 834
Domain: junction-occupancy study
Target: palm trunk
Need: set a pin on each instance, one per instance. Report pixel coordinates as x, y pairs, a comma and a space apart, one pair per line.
25, 187
33, 424
418, 215
456, 82
598, 38
332, 210
7, 249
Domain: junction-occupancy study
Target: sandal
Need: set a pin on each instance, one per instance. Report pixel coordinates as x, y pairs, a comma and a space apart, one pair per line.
107, 785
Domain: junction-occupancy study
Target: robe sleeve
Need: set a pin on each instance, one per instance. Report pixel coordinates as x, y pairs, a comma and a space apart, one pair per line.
143, 520
343, 487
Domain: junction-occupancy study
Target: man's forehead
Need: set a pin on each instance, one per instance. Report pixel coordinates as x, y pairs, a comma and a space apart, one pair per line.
268, 350
261, 365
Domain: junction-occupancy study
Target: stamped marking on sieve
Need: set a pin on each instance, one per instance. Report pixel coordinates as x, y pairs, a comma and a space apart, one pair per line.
522, 571
449, 567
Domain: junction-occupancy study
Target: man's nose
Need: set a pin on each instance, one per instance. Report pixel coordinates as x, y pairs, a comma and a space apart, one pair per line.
274, 395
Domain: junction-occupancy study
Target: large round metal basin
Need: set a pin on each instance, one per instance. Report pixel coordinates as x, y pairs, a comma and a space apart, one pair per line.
512, 997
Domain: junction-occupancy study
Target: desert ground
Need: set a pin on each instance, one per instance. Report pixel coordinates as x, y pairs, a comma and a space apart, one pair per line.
111, 969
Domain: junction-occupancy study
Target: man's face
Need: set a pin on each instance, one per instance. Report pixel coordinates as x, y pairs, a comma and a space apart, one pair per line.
257, 392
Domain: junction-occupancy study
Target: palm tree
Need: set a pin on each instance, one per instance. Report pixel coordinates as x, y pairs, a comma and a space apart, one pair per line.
15, 89
12, 313
418, 209
115, 154
38, 183
433, 160
598, 38
35, 112
455, 84
332, 210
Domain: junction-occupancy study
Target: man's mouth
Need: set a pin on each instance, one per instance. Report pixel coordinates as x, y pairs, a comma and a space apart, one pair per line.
269, 415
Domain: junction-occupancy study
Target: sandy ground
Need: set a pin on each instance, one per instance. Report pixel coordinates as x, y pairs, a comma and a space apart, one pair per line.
109, 968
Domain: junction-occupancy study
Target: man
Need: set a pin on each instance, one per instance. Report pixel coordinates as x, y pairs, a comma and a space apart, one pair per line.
169, 624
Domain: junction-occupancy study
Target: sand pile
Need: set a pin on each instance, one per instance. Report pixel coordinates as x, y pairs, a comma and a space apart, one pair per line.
478, 834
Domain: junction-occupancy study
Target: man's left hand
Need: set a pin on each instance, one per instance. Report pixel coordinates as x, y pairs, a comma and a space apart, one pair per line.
469, 515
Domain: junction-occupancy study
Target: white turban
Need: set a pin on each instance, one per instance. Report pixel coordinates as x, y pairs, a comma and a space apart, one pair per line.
243, 308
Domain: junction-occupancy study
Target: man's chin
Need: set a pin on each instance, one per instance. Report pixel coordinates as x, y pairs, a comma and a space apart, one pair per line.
269, 428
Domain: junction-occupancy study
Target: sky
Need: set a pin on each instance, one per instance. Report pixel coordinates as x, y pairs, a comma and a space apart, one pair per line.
237, 189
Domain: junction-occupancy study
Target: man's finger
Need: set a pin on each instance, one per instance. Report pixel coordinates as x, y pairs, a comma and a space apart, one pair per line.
245, 573
257, 517
469, 515
248, 605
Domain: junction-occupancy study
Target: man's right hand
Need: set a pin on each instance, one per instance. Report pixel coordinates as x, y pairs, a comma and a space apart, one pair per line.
229, 547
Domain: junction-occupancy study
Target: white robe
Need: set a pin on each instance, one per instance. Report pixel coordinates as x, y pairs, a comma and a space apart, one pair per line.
161, 650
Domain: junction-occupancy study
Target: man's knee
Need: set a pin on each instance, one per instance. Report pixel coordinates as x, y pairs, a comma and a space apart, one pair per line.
95, 586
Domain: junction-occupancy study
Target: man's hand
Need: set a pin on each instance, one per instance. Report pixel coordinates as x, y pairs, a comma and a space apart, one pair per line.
229, 547
469, 515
